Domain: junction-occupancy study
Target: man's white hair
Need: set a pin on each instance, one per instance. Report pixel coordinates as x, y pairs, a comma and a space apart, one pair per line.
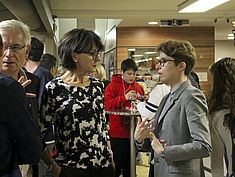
15, 25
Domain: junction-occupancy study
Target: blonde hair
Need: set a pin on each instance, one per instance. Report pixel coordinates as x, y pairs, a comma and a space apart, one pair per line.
101, 74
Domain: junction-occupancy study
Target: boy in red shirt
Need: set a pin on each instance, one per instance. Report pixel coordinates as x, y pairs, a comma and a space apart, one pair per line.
118, 96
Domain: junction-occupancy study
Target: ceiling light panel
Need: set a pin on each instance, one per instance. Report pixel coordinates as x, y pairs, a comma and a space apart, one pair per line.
197, 6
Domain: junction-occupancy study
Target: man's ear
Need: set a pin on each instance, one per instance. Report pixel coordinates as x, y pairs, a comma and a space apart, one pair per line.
28, 48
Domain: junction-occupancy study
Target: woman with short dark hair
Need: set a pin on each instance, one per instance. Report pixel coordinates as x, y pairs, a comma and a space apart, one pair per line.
74, 103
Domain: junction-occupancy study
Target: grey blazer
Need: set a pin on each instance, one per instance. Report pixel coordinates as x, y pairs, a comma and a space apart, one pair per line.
184, 126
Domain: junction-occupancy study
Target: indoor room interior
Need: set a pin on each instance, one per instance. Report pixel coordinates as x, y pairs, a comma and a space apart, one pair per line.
133, 28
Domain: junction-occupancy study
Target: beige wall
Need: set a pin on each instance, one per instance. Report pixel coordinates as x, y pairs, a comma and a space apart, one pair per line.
224, 48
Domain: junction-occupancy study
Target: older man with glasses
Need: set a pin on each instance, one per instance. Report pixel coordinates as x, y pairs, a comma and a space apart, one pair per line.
19, 137
16, 46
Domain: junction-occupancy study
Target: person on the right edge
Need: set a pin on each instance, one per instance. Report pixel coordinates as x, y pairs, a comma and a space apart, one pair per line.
222, 117
181, 133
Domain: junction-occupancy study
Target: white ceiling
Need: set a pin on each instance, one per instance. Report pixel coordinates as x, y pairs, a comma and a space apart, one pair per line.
139, 12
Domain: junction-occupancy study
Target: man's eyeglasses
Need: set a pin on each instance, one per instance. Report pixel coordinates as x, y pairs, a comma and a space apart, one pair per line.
16, 48
162, 61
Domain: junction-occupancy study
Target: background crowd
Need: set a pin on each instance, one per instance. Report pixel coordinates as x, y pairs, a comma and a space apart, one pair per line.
54, 124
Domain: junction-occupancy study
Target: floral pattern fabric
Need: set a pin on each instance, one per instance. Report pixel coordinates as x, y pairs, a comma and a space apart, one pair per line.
80, 125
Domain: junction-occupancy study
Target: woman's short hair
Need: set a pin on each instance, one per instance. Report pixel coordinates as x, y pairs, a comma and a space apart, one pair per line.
15, 25
181, 51
128, 64
78, 41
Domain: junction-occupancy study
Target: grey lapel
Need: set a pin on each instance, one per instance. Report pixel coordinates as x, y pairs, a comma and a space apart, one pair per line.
175, 96
160, 108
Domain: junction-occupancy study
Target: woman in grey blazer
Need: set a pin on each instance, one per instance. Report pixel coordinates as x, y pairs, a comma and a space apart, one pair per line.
180, 123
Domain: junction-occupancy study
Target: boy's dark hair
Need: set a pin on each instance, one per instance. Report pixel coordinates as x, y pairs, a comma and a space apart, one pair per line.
36, 50
128, 64
48, 61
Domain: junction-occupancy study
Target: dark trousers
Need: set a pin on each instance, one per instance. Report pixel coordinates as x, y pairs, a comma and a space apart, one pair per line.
121, 156
15, 173
151, 167
75, 172
35, 170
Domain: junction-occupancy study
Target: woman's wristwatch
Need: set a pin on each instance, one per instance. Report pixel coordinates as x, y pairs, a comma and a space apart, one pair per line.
163, 153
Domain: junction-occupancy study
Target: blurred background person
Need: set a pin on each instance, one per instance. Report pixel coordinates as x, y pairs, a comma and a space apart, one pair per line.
100, 73
194, 79
49, 62
149, 108
119, 95
222, 117
74, 103
32, 65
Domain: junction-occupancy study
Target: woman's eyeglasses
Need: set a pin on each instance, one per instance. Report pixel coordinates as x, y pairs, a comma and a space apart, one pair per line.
162, 61
94, 54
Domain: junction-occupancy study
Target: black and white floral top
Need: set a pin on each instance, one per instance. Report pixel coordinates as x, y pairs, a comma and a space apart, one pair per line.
80, 125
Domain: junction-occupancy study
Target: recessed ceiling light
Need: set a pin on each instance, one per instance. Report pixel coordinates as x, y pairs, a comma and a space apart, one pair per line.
230, 36
149, 53
137, 55
153, 23
233, 23
131, 49
143, 60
